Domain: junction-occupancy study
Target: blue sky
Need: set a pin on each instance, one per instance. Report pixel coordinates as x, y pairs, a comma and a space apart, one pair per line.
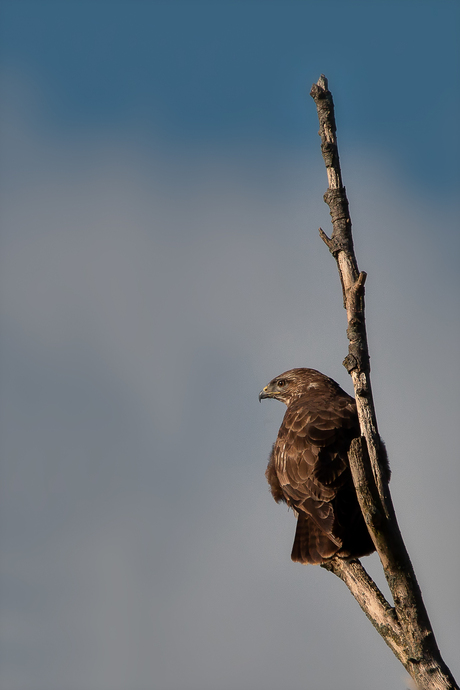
161, 190
224, 71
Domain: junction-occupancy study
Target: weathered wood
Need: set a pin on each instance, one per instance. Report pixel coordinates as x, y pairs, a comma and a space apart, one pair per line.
405, 627
416, 648
373, 603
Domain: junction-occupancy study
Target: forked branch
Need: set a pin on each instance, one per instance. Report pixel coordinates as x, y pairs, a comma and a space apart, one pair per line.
405, 627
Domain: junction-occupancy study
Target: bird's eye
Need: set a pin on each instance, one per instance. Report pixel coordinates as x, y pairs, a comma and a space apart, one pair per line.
281, 383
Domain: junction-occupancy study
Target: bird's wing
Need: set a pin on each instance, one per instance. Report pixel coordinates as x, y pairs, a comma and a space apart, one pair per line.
310, 457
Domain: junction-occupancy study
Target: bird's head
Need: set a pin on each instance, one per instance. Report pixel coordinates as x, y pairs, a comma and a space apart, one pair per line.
287, 386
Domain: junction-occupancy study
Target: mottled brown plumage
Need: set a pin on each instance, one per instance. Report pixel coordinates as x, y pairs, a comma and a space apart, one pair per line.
308, 466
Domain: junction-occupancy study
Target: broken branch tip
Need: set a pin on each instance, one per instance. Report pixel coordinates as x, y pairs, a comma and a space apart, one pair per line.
327, 240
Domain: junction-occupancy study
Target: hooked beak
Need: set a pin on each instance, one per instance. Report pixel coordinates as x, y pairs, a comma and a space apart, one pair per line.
265, 393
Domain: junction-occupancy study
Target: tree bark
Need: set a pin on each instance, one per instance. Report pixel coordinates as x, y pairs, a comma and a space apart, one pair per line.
405, 627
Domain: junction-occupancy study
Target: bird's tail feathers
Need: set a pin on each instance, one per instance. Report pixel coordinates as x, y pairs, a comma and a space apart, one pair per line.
311, 544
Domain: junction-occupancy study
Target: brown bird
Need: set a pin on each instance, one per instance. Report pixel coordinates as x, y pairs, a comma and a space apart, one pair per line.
308, 467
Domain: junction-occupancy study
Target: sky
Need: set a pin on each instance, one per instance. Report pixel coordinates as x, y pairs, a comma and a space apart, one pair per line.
161, 187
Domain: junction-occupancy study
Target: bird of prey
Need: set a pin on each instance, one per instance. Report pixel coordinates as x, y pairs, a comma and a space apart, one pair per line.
308, 467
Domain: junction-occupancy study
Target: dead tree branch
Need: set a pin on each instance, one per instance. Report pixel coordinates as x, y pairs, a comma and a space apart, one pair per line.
405, 627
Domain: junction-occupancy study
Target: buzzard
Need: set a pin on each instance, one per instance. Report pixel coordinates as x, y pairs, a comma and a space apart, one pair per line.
308, 467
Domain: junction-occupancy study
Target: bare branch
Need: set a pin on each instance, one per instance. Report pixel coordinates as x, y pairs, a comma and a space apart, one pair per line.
373, 603
412, 638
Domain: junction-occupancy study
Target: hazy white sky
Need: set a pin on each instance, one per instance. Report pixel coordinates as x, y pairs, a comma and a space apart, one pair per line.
161, 184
